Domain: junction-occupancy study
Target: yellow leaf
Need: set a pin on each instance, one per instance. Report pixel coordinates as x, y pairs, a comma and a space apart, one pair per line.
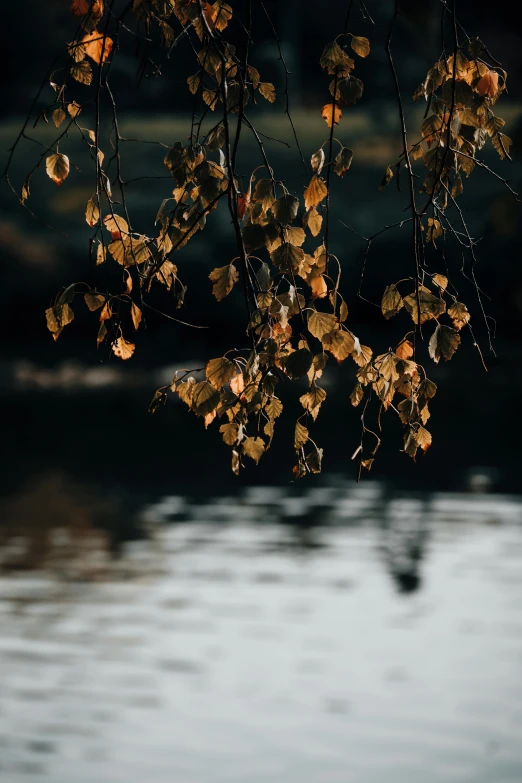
57, 167
315, 192
122, 348
209, 418
237, 383
74, 109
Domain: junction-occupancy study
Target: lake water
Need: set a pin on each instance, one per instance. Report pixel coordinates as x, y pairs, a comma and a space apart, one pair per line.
247, 652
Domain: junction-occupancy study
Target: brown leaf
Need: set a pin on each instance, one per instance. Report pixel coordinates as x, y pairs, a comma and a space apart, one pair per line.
237, 383
430, 306
443, 342
391, 301
224, 278
58, 116
82, 72
317, 161
319, 287
57, 167
122, 349
488, 84
388, 176
343, 161
313, 399
242, 204
205, 398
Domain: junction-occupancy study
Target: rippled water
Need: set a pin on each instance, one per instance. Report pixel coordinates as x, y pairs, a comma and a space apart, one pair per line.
244, 654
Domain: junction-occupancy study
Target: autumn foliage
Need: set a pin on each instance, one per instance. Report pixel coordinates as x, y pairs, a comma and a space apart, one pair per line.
297, 313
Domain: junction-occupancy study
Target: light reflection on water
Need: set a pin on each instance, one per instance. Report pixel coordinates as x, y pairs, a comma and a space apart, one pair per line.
251, 653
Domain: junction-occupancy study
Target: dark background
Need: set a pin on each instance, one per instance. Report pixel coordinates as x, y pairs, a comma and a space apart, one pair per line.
70, 407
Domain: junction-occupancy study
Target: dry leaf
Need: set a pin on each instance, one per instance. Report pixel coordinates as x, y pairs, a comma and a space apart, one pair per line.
57, 167
122, 348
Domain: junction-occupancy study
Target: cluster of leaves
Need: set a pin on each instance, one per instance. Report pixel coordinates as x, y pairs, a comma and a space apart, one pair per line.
297, 316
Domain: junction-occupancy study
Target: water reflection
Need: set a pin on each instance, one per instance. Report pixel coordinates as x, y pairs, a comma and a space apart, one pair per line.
337, 634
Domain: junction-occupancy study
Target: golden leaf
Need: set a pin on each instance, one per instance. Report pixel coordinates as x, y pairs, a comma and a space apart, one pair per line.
58, 116
136, 315
82, 72
360, 45
287, 257
300, 436
434, 230
313, 399
102, 334
92, 213
229, 432
339, 343
313, 220
267, 90
116, 225
441, 281
209, 418
273, 408
57, 317
315, 192
220, 371
443, 342
335, 60
74, 109
430, 306
404, 350
331, 113
458, 312
97, 46
101, 254
319, 287
320, 324
185, 390
94, 301
357, 395
57, 167
123, 349
253, 448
